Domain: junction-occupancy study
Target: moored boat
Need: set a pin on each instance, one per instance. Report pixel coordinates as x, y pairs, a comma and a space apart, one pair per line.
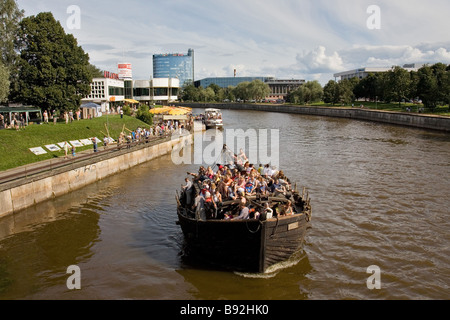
213, 118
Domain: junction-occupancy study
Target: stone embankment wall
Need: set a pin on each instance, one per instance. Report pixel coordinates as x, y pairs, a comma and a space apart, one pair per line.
28, 194
398, 118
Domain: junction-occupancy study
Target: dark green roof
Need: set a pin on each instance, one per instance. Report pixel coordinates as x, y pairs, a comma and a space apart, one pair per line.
4, 109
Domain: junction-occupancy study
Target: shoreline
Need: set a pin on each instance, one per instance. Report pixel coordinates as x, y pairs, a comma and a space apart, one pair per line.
423, 121
44, 185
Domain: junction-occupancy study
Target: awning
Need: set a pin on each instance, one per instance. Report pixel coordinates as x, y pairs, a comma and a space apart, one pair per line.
130, 100
90, 105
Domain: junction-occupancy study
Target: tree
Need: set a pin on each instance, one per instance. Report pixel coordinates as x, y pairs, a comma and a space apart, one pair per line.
331, 92
229, 93
54, 72
10, 17
4, 83
441, 73
258, 90
242, 91
218, 92
399, 81
144, 114
427, 87
339, 92
189, 93
94, 71
345, 91
313, 91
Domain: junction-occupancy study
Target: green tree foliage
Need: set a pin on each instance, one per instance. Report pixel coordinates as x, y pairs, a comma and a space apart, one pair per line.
10, 17
144, 114
399, 85
330, 92
433, 85
339, 92
190, 93
54, 72
258, 90
245, 91
127, 110
242, 92
310, 92
94, 71
4, 83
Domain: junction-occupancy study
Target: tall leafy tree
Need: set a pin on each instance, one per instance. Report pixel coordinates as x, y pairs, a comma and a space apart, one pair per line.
311, 91
4, 83
399, 81
10, 17
331, 92
431, 86
54, 72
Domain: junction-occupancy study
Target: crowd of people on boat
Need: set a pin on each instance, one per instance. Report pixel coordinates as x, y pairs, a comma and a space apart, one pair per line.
204, 191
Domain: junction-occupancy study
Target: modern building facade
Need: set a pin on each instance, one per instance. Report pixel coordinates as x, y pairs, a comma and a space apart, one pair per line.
279, 88
362, 73
106, 92
111, 92
174, 65
225, 82
159, 91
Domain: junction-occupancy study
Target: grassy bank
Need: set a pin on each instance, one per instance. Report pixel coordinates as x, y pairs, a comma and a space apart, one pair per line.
15, 145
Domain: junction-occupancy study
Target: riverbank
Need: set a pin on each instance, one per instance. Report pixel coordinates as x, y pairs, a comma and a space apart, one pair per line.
424, 121
47, 180
16, 144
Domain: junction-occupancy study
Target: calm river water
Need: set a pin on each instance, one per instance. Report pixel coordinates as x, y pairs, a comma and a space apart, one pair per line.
380, 197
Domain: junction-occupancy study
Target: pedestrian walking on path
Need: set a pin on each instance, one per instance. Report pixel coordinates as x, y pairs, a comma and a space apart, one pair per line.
94, 141
66, 149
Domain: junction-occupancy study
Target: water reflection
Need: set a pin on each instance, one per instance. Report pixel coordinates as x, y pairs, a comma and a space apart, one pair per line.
379, 196
290, 284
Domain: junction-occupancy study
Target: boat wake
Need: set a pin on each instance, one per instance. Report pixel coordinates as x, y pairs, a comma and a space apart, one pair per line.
273, 270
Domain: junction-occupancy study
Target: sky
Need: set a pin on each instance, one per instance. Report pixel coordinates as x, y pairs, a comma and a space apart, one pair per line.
286, 39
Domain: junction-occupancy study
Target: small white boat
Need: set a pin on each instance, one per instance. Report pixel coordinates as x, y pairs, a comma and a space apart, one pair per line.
213, 118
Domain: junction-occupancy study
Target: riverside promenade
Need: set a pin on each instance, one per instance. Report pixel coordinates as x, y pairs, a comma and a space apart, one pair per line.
25, 186
424, 121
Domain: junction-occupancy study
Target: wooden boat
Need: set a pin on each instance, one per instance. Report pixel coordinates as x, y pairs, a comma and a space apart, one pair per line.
251, 245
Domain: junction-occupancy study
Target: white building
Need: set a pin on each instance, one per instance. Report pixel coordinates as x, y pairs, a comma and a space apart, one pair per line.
105, 92
164, 90
109, 92
364, 72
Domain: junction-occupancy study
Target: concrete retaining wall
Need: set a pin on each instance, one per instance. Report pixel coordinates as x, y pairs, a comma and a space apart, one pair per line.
26, 195
398, 118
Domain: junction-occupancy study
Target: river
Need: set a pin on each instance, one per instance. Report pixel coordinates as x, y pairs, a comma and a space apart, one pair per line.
379, 195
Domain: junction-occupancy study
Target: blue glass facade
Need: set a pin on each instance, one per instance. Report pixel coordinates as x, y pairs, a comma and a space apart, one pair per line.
225, 82
174, 65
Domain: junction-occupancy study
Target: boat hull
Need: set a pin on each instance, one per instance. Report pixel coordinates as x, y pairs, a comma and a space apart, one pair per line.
243, 245
213, 125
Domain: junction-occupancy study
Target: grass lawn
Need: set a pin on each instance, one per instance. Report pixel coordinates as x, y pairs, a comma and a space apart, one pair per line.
14, 145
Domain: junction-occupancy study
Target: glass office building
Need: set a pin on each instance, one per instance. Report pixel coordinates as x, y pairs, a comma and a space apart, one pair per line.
175, 65
225, 82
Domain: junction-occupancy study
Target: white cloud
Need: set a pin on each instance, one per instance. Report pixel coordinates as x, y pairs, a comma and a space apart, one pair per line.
305, 39
385, 56
317, 61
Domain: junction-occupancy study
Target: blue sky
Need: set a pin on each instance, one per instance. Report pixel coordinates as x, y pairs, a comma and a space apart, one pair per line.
301, 39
